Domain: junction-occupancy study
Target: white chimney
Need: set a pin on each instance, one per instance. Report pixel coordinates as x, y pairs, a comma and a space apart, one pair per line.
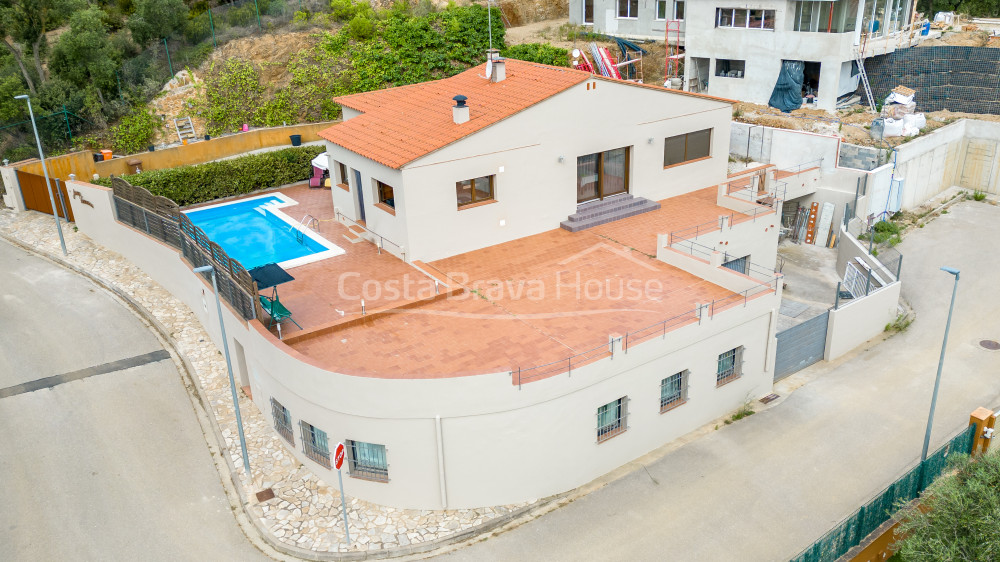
499, 71
460, 112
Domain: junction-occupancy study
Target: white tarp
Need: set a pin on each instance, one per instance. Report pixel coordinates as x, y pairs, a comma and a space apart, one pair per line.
898, 98
322, 161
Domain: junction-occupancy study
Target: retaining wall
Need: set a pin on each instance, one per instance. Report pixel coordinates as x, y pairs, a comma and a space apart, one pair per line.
500, 444
83, 166
961, 79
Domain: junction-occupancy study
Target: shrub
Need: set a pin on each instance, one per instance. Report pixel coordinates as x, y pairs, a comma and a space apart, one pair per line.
543, 53
242, 16
979, 195
361, 28
188, 185
233, 94
134, 132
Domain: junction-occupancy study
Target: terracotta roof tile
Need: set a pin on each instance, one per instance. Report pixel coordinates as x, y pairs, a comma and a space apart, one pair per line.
399, 125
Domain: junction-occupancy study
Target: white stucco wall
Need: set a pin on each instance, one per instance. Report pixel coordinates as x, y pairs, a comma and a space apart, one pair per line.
377, 218
535, 191
501, 444
859, 320
12, 194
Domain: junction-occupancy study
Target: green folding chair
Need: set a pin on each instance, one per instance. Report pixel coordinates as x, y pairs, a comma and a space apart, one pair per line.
277, 312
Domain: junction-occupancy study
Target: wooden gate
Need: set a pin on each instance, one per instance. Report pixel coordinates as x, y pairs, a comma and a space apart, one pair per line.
36, 195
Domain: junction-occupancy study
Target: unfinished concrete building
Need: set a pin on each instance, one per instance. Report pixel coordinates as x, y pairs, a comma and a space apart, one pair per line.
738, 51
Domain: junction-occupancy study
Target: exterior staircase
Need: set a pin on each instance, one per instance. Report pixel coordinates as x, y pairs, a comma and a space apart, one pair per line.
608, 210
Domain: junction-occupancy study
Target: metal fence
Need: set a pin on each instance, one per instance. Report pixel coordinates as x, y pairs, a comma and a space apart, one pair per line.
161, 218
851, 531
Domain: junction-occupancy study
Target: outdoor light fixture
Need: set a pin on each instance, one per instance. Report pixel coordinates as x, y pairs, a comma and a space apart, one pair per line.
45, 171
562, 158
229, 366
650, 140
937, 380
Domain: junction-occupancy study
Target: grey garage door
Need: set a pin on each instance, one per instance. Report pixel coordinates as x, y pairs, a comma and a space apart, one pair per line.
800, 346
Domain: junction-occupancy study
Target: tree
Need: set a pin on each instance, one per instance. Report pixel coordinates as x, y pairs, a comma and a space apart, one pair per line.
958, 516
155, 19
84, 55
27, 22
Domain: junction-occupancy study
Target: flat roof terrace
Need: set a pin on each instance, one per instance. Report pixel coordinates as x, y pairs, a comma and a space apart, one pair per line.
528, 302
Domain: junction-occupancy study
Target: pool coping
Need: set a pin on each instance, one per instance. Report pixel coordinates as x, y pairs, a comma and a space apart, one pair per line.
332, 250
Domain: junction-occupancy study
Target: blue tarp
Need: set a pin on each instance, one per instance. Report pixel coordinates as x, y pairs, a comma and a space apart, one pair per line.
787, 94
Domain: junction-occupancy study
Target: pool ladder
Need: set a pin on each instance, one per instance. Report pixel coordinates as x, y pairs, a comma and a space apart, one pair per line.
310, 221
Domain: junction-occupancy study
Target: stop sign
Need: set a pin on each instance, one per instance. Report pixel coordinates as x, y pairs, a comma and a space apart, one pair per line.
338, 456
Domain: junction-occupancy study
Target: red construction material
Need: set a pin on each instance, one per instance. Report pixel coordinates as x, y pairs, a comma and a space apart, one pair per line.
609, 63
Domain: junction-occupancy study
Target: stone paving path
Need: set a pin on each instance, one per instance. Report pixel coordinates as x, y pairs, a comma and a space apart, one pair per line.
306, 511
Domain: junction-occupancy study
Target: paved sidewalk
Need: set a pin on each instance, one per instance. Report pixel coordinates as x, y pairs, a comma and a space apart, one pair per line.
768, 486
306, 512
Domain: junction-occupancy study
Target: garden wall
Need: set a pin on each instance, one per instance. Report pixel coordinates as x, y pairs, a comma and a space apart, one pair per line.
82, 163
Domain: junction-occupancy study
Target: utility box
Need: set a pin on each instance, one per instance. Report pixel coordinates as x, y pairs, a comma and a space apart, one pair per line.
106, 154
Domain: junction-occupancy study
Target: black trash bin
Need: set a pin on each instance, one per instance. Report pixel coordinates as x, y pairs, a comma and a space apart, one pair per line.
296, 140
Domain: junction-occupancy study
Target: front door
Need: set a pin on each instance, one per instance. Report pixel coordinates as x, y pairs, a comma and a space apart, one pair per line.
588, 11
361, 196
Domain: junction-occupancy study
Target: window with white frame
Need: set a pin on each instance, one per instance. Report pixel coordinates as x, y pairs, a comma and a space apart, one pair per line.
743, 18
730, 366
367, 461
612, 419
314, 444
282, 421
679, 10
673, 391
661, 9
628, 8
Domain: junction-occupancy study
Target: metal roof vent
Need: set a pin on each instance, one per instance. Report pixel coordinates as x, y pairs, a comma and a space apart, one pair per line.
460, 112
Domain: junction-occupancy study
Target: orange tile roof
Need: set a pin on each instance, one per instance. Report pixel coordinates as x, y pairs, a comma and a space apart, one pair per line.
399, 125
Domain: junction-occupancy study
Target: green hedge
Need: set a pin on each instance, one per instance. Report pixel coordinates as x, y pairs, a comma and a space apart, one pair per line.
188, 185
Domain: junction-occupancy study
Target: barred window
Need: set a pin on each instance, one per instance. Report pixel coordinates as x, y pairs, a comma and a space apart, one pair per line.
282, 421
730, 366
314, 444
367, 460
673, 391
612, 419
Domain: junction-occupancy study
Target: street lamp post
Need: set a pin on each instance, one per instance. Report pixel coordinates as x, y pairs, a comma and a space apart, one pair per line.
937, 381
45, 171
229, 366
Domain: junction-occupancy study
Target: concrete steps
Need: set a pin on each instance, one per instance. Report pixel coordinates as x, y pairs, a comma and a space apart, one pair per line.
354, 234
609, 210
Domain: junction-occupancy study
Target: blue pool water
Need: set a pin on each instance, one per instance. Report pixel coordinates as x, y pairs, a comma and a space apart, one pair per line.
251, 236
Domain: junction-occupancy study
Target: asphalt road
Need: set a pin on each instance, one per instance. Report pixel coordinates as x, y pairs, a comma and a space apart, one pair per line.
101, 456
768, 486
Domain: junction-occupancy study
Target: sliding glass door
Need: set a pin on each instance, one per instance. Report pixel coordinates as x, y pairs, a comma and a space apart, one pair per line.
602, 174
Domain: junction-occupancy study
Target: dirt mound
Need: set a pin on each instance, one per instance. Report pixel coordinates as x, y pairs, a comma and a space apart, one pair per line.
269, 53
961, 39
520, 12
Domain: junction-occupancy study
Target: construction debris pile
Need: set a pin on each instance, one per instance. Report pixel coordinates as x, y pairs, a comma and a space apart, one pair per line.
899, 116
626, 67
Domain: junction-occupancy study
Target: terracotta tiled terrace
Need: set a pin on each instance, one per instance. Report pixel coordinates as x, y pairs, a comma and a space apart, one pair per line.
527, 302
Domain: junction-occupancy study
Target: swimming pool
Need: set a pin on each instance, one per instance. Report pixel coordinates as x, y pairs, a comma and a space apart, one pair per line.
254, 231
